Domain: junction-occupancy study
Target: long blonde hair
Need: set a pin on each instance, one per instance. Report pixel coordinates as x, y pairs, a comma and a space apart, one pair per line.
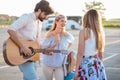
92, 21
57, 18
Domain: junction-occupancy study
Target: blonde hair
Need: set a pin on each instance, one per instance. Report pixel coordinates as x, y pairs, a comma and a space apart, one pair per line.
92, 21
57, 18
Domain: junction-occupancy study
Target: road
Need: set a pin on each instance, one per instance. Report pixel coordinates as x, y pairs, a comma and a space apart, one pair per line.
111, 56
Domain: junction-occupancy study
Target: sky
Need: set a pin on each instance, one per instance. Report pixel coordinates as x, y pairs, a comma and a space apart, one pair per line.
66, 7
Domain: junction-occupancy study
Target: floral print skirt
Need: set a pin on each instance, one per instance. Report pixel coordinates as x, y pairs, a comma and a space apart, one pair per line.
91, 68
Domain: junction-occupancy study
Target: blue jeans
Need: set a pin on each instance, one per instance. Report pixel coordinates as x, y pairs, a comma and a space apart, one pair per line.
29, 71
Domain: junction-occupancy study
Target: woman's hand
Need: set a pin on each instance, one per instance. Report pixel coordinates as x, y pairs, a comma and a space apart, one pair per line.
100, 54
56, 42
57, 39
76, 76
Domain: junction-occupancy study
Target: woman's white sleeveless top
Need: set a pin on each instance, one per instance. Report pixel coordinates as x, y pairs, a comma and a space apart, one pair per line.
90, 45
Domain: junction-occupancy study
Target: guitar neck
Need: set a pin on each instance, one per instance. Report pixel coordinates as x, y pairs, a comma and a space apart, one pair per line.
55, 51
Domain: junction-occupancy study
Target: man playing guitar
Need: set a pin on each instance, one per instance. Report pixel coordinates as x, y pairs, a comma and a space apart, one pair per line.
28, 27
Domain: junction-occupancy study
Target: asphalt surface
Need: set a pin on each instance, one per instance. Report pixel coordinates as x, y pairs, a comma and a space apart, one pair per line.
111, 56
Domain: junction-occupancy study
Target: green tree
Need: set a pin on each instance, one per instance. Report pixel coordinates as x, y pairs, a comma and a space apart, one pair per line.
56, 13
9, 21
95, 5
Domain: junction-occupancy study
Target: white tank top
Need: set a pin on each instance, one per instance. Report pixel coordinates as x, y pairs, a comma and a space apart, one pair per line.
90, 45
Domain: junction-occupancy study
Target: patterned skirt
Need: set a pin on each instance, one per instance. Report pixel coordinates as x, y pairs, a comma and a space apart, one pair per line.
91, 68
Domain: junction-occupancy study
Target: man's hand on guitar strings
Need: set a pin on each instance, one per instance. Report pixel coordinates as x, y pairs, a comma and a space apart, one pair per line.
26, 51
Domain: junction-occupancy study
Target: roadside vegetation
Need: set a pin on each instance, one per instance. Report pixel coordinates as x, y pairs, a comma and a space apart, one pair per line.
112, 23
6, 20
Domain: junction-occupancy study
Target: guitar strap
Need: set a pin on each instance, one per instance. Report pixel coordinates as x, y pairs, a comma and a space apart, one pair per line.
39, 30
38, 34
37, 56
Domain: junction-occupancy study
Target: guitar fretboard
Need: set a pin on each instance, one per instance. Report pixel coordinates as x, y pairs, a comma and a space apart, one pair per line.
55, 51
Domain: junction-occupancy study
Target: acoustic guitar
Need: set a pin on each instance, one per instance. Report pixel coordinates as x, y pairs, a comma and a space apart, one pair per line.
14, 56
